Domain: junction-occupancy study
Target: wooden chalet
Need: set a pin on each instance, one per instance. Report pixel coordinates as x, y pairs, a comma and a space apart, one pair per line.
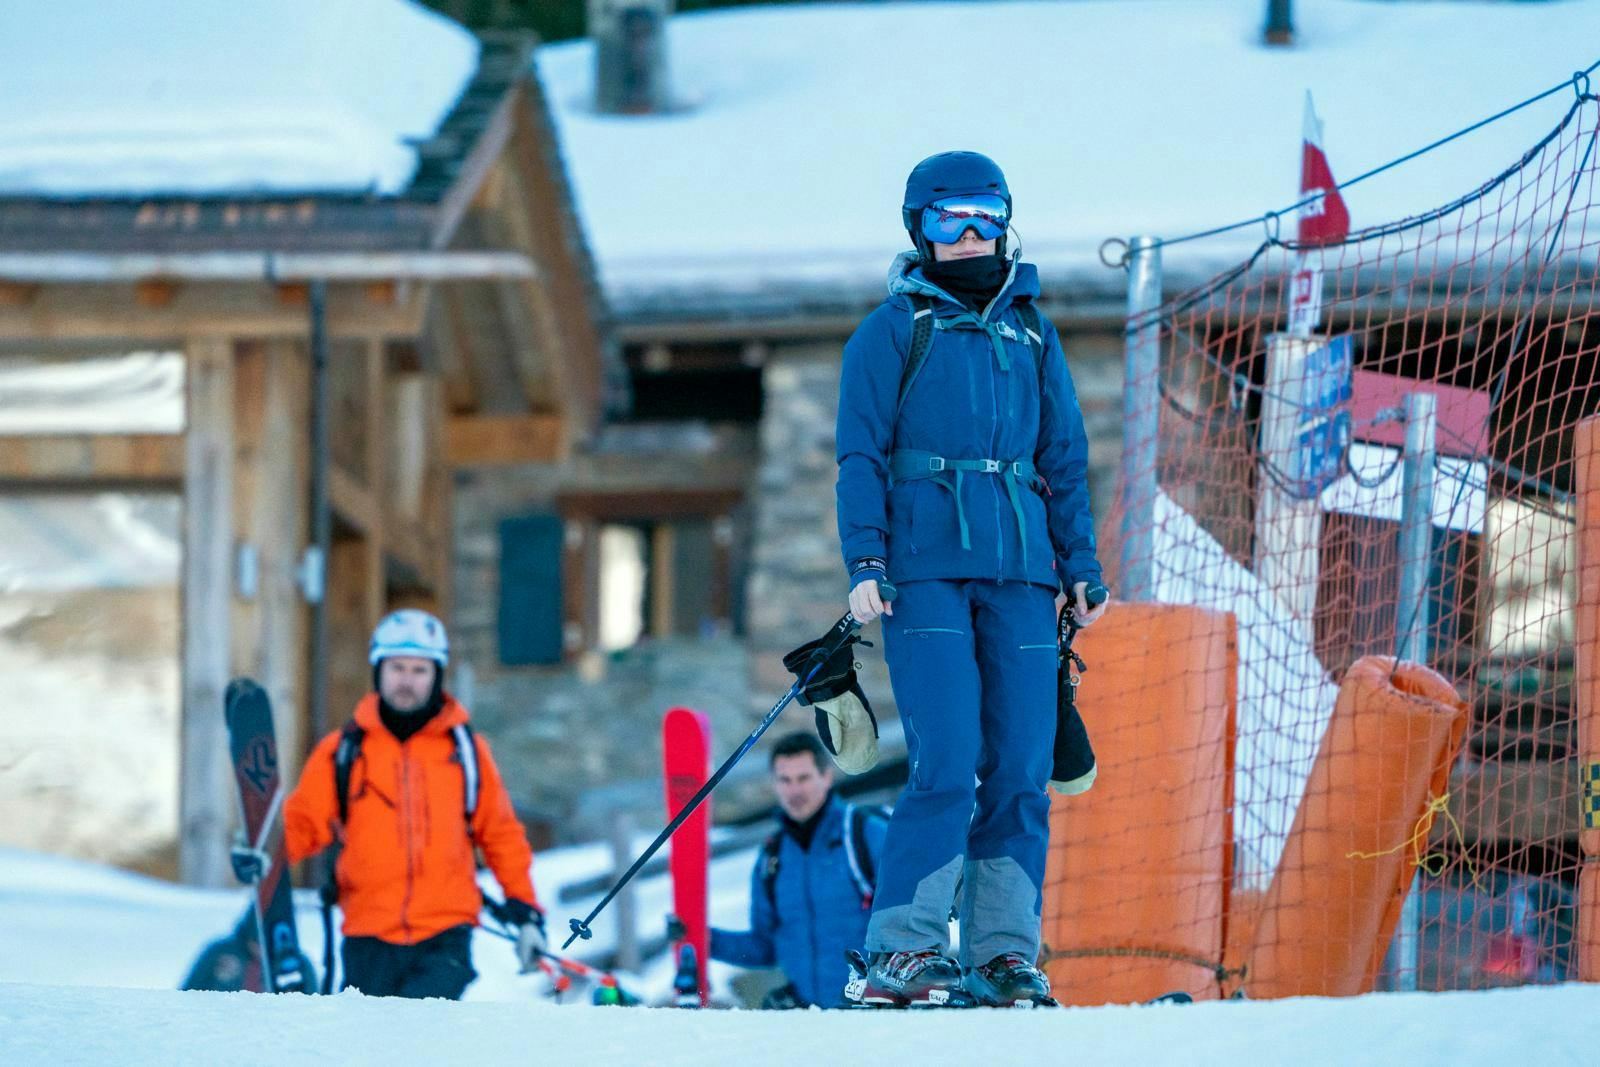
341, 354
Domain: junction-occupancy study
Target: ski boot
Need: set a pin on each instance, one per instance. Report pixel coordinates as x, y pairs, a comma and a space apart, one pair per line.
924, 979
1010, 980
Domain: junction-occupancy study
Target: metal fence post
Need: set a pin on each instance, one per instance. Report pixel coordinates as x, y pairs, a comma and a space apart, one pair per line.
1411, 627
1141, 419
629, 957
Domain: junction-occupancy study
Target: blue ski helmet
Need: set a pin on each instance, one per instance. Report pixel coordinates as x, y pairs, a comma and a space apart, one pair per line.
950, 174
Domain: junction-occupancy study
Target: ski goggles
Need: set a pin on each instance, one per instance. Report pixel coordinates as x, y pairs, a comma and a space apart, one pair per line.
946, 219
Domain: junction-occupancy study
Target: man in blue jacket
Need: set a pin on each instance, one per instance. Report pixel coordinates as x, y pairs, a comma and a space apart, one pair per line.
962, 478
811, 890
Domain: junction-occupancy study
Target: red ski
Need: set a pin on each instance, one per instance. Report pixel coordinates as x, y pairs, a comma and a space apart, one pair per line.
686, 752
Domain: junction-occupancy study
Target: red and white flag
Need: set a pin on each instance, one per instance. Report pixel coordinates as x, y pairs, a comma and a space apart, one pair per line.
1323, 221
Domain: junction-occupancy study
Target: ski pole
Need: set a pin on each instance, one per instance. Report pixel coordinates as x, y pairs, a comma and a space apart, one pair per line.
840, 635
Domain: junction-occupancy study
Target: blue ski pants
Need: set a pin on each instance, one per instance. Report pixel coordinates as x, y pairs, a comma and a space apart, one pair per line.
973, 665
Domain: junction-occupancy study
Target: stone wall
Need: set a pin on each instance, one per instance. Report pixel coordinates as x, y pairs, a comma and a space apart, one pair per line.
560, 733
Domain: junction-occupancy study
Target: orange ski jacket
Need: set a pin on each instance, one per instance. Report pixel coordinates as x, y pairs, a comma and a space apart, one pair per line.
407, 871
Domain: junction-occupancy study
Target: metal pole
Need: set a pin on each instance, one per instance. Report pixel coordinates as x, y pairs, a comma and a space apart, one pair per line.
1416, 528
1141, 419
628, 954
1411, 628
313, 578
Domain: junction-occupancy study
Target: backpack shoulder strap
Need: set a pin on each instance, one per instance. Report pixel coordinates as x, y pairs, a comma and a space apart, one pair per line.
771, 856
1033, 332
467, 755
921, 342
344, 758
863, 867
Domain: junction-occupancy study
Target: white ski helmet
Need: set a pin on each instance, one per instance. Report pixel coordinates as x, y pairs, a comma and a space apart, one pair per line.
409, 632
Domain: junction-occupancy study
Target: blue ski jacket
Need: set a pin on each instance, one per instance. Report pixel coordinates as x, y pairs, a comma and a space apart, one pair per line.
1020, 508
812, 915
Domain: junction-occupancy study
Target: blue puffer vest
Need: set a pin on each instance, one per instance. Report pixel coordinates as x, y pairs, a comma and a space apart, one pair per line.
813, 914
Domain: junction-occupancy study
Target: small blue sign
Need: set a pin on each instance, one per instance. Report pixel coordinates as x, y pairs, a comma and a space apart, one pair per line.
1323, 435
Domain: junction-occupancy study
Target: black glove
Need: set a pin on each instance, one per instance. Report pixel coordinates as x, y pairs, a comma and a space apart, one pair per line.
528, 922
676, 931
250, 864
513, 912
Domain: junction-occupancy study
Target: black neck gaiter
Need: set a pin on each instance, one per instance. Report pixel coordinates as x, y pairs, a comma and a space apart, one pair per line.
803, 832
974, 281
404, 724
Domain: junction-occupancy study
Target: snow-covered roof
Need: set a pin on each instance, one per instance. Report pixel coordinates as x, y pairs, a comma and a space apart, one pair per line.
785, 164
195, 97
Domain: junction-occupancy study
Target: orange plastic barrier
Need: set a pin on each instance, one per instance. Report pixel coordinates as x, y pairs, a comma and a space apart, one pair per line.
1136, 888
1352, 851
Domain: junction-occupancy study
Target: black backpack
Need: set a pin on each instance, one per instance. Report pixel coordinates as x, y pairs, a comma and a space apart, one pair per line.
863, 868
924, 323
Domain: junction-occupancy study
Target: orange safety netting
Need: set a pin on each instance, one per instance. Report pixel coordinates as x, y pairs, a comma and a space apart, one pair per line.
1280, 467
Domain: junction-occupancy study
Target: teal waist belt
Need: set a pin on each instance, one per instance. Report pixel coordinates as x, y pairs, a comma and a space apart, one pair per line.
909, 464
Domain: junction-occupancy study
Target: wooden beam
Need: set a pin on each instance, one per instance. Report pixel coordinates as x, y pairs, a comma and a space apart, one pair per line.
415, 407
111, 267
352, 501
376, 366
502, 440
553, 239
118, 459
155, 292
663, 579
17, 294
272, 474
476, 168
79, 313
206, 789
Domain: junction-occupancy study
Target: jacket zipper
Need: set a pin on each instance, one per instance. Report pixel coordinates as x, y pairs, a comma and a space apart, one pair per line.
994, 436
405, 829
994, 489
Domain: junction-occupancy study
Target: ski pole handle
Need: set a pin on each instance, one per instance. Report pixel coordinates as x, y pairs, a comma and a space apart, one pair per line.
1094, 595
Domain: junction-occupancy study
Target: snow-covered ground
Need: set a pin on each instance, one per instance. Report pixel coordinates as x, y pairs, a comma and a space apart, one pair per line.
785, 164
89, 957
68, 1026
68, 922
191, 96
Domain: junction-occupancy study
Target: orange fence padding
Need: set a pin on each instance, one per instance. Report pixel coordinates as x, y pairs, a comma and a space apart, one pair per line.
1136, 888
1352, 851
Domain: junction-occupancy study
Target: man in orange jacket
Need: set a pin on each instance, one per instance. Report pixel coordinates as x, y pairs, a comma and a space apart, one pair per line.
408, 823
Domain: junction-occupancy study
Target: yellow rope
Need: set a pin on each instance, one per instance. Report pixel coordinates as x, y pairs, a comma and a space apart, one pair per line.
1432, 862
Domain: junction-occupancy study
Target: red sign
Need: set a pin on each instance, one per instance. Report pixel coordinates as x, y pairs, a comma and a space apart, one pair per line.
1463, 414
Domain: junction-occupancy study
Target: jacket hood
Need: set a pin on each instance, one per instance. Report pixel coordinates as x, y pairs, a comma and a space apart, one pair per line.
450, 716
906, 279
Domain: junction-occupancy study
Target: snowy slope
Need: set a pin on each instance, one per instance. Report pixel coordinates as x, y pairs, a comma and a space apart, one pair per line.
67, 922
192, 96
62, 1027
67, 927
785, 165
